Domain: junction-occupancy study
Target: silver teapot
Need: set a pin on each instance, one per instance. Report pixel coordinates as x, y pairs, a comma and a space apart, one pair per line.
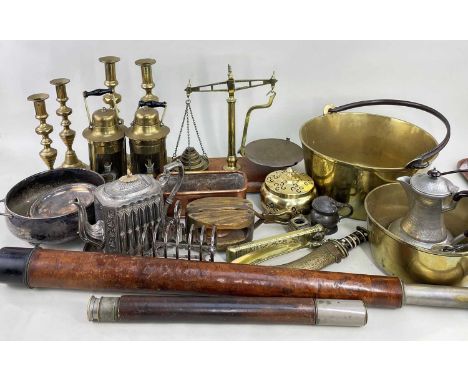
130, 212
429, 196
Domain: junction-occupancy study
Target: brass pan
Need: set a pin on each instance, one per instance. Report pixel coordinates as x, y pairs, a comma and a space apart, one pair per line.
350, 154
413, 264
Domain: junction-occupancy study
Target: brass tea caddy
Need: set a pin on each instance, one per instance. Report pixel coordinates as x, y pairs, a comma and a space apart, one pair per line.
106, 139
429, 195
147, 139
130, 212
287, 191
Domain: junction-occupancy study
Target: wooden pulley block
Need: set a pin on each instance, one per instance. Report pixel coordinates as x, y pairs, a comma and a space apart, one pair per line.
233, 217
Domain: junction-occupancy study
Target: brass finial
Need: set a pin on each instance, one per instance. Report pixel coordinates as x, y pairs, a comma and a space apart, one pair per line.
147, 83
111, 80
48, 154
67, 135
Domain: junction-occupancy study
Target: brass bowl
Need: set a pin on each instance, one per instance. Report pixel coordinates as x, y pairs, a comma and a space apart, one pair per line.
349, 154
410, 263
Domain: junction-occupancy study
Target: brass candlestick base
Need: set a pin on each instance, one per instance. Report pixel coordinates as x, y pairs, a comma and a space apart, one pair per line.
48, 154
67, 135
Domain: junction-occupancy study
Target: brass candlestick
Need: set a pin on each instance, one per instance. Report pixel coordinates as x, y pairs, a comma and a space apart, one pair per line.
111, 80
67, 135
48, 154
147, 83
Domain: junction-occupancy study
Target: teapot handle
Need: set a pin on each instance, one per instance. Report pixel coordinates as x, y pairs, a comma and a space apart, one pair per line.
417, 163
177, 164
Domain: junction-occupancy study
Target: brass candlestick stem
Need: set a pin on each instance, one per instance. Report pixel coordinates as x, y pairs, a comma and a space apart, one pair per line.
147, 83
48, 154
111, 81
67, 135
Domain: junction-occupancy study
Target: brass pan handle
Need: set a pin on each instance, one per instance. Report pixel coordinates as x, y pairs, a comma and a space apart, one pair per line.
417, 163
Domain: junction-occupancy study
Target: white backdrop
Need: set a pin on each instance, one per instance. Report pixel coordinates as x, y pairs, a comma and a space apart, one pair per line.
310, 75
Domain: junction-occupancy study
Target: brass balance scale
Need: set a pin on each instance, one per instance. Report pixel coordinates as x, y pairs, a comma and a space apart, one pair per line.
259, 158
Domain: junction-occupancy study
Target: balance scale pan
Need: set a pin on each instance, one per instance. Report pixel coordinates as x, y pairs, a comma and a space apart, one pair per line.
273, 152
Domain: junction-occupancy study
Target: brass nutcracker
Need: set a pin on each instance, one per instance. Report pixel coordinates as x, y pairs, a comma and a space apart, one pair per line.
106, 139
147, 139
326, 253
48, 154
67, 135
285, 242
147, 83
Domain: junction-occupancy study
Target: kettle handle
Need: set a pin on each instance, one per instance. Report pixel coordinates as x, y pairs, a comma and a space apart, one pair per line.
342, 206
421, 161
177, 164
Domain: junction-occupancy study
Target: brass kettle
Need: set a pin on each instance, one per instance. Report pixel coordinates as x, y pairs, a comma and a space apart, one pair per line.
429, 196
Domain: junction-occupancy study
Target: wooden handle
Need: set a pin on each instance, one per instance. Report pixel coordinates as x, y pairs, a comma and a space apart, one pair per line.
97, 271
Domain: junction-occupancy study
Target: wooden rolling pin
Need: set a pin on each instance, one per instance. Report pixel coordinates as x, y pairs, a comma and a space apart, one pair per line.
47, 268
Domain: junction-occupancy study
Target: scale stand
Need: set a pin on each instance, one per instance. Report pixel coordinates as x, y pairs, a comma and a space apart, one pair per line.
259, 157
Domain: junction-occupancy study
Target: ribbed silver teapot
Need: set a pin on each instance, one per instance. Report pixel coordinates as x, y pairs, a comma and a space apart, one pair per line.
130, 212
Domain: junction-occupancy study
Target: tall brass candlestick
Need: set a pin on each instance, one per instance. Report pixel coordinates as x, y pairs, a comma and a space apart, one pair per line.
147, 83
48, 154
67, 135
111, 80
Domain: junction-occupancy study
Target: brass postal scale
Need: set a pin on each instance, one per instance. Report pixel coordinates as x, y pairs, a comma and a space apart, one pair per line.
258, 158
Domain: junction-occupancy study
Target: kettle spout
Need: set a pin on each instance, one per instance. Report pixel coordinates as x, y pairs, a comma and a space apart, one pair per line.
405, 183
93, 234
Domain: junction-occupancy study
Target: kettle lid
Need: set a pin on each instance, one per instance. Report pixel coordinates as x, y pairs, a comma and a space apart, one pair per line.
432, 184
325, 205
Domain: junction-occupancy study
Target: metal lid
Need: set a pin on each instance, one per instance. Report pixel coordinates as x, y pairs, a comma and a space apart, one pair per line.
273, 152
289, 183
105, 127
324, 205
432, 185
147, 126
127, 189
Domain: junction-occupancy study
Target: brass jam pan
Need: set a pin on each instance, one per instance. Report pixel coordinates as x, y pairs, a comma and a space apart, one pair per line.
350, 154
411, 263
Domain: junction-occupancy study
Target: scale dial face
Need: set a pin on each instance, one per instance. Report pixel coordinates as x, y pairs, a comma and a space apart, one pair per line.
273, 152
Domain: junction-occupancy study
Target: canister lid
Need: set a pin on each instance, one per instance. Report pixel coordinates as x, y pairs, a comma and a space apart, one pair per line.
128, 189
105, 127
289, 183
147, 126
436, 186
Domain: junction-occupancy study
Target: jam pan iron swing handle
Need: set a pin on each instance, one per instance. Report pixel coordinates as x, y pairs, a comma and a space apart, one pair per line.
422, 161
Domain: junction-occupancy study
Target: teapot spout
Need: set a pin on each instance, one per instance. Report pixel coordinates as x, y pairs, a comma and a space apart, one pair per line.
94, 233
404, 181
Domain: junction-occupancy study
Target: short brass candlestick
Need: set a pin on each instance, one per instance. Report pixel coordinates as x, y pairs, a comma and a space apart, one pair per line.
48, 154
111, 80
67, 135
147, 83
